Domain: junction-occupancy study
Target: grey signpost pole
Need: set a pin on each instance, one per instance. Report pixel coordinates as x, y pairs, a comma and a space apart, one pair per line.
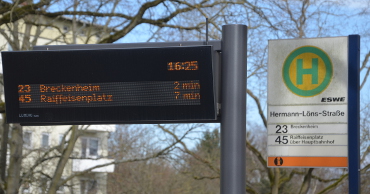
233, 110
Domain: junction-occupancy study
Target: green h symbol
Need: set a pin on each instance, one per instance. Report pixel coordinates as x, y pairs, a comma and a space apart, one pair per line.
314, 71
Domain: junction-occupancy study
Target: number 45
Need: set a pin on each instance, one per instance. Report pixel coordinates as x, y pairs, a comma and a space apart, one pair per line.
283, 140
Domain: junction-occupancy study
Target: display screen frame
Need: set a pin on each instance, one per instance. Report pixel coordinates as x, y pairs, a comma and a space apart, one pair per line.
108, 66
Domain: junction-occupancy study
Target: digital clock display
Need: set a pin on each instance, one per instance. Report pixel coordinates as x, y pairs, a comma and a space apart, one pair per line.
141, 85
188, 65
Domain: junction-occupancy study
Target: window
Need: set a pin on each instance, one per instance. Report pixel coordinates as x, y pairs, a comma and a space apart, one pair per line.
65, 28
10, 48
82, 33
61, 138
27, 139
44, 183
26, 188
88, 186
45, 140
61, 188
89, 147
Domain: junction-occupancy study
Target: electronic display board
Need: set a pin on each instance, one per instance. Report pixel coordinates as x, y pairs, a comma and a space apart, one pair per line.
136, 85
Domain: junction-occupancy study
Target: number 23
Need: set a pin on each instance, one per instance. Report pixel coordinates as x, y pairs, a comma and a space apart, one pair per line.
281, 129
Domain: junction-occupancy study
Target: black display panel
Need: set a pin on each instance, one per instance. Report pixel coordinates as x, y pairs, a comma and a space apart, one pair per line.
139, 85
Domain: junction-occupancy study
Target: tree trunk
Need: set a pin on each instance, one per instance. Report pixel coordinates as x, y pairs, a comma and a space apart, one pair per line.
15, 160
55, 182
4, 149
306, 182
275, 186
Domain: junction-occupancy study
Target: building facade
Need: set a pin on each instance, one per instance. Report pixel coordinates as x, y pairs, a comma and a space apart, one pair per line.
42, 30
43, 146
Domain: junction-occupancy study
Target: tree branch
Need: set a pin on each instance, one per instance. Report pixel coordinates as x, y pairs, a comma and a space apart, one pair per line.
261, 159
22, 11
364, 62
260, 110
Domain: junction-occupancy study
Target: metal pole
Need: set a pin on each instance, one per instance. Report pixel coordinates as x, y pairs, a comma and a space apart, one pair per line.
233, 109
354, 114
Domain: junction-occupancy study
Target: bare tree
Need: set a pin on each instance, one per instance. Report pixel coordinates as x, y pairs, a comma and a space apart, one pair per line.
110, 20
268, 19
26, 23
152, 175
293, 19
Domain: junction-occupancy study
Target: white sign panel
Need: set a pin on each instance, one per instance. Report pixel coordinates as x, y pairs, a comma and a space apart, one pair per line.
307, 102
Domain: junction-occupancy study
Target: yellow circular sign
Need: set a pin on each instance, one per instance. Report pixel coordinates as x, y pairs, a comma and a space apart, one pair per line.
307, 71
